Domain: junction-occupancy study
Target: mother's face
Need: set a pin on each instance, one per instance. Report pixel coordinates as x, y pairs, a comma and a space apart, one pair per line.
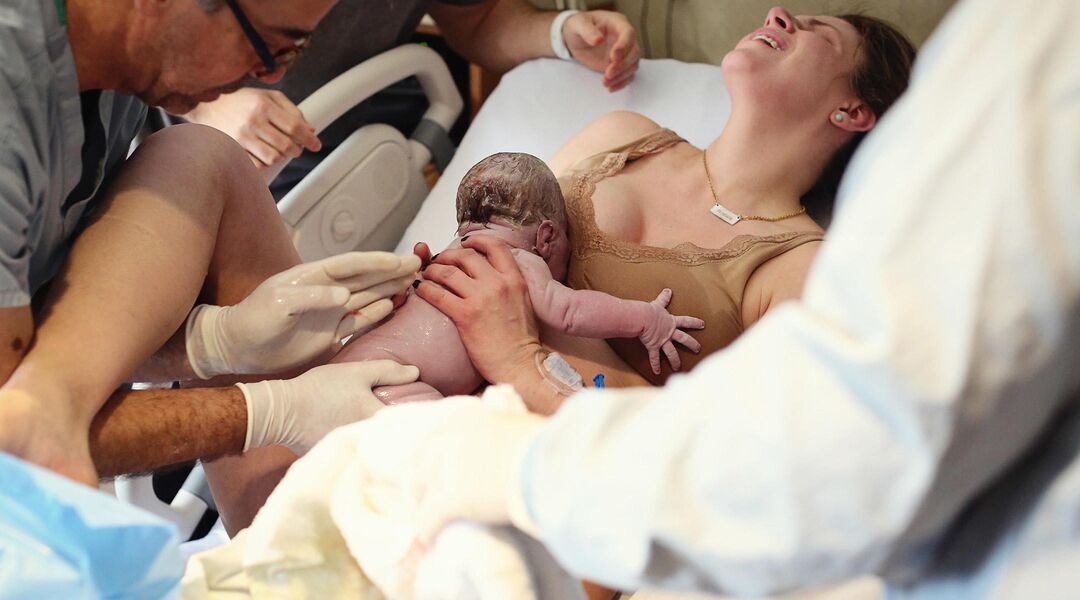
794, 64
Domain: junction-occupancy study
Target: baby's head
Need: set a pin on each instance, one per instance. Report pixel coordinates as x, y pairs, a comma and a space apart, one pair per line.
514, 187
518, 191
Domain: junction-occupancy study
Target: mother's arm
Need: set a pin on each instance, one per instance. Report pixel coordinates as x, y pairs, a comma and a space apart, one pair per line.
777, 280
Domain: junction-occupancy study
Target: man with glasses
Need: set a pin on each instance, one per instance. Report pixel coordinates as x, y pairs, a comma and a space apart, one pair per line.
495, 34
103, 256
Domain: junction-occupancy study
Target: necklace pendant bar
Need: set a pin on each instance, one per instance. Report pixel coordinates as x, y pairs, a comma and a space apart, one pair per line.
721, 212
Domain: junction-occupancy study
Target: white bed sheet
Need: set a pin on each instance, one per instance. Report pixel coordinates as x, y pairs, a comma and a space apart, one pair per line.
541, 104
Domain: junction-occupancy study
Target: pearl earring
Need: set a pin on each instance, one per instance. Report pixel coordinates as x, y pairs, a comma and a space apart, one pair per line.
839, 116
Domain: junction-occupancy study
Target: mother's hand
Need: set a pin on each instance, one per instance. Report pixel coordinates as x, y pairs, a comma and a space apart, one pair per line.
481, 289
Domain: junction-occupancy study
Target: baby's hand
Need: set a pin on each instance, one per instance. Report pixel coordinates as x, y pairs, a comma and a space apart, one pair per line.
662, 328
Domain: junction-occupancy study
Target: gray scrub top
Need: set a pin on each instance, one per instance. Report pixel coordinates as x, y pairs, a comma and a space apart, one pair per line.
57, 146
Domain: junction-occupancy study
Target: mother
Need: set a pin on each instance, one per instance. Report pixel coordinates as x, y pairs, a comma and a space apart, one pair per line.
725, 227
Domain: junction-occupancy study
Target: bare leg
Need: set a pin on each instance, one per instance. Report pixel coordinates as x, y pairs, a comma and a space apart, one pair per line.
252, 244
129, 281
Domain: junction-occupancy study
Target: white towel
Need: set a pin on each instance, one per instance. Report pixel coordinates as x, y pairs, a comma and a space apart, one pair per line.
333, 530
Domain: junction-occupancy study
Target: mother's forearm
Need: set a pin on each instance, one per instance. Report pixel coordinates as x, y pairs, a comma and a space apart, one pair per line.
540, 396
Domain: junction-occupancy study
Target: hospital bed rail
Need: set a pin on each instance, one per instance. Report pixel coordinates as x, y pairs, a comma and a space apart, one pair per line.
367, 191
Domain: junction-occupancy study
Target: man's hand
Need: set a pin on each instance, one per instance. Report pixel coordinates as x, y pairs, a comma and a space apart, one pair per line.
297, 413
296, 316
481, 289
264, 122
604, 41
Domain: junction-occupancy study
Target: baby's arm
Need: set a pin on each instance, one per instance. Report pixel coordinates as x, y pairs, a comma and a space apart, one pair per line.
593, 314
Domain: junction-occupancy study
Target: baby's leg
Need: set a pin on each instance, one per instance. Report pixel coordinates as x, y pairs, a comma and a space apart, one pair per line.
360, 350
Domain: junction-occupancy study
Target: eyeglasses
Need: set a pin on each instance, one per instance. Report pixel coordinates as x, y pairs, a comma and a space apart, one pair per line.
270, 61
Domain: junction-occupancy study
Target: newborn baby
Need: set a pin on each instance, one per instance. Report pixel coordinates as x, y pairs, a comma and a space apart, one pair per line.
515, 197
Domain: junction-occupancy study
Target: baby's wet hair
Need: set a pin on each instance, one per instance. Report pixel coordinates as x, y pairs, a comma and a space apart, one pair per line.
512, 186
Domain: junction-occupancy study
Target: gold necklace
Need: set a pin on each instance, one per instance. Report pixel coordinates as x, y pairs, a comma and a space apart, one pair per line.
729, 216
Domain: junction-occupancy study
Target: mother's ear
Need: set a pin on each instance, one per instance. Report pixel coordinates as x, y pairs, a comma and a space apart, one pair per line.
855, 117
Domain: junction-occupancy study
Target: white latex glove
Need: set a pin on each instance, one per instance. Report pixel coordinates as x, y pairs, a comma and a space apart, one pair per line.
460, 458
297, 413
265, 122
297, 315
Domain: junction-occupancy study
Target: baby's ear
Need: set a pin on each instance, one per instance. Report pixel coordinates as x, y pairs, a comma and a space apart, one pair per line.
546, 234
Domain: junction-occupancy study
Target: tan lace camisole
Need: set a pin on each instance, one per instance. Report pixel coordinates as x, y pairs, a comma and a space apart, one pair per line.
706, 283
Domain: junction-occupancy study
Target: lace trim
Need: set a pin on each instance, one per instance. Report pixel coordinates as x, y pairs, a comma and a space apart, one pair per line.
594, 241
687, 254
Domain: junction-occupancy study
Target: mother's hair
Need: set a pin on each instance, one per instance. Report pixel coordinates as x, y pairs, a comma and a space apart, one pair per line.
882, 75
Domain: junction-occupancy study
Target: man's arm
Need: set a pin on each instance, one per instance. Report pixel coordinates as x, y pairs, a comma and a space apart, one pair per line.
497, 34
142, 431
145, 430
501, 34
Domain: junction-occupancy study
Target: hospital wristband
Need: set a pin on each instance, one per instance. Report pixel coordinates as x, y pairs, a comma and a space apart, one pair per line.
558, 44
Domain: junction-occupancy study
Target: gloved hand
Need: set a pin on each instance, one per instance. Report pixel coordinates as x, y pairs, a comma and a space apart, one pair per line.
297, 413
662, 328
297, 315
460, 458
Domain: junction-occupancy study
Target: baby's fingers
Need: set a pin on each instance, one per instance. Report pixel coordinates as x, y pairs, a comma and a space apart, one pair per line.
689, 323
654, 360
672, 356
686, 340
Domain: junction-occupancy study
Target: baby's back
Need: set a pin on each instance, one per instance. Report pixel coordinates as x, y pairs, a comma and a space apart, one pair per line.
418, 334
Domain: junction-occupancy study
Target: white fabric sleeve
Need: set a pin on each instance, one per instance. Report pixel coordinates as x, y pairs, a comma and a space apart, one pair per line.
937, 336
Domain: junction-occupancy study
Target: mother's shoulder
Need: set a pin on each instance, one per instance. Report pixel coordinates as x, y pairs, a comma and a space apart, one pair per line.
609, 131
623, 124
